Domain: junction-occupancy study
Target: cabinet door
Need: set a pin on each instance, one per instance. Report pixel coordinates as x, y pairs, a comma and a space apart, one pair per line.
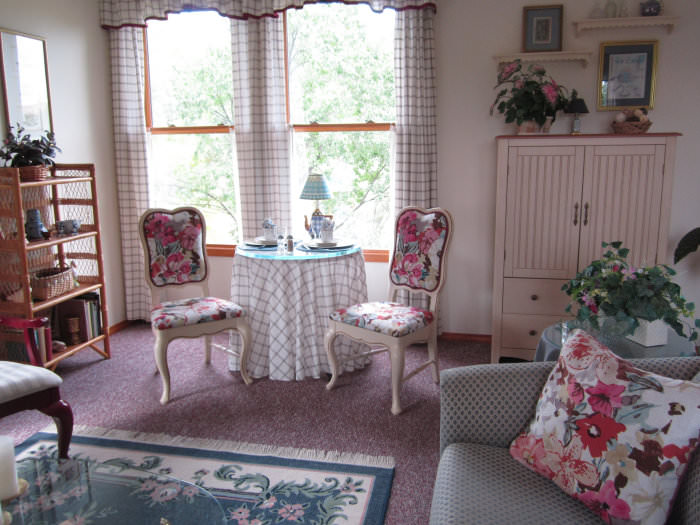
622, 201
543, 211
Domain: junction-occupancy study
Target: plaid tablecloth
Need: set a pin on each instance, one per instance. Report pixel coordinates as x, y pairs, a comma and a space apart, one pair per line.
288, 303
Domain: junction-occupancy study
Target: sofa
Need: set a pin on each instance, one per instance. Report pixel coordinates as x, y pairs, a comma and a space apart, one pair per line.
482, 409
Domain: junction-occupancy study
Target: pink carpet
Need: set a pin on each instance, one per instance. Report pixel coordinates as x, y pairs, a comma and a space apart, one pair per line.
209, 402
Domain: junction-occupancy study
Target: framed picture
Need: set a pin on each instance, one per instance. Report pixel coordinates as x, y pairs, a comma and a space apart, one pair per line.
542, 28
627, 74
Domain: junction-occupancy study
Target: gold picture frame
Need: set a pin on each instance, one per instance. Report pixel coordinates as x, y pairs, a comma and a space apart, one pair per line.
627, 74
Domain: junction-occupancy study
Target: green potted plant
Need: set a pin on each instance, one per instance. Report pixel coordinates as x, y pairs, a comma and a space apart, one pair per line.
616, 298
31, 156
528, 95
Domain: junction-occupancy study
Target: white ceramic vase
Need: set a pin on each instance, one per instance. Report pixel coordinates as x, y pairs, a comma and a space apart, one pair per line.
654, 333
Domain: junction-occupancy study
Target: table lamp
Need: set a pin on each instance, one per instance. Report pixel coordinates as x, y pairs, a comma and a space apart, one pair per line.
577, 106
315, 189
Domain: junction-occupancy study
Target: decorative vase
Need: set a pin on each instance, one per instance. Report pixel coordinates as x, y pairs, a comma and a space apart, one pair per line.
654, 333
650, 8
547, 125
528, 127
34, 228
611, 9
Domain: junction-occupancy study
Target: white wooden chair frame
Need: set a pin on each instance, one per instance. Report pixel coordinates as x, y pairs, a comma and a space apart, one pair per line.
396, 346
206, 330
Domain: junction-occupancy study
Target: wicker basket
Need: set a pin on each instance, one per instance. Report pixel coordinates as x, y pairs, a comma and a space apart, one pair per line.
51, 282
33, 173
631, 127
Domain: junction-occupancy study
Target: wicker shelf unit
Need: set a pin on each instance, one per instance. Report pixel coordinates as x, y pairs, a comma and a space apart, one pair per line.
69, 193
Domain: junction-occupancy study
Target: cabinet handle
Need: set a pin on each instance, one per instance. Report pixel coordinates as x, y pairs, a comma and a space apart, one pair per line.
534, 297
533, 332
576, 214
585, 214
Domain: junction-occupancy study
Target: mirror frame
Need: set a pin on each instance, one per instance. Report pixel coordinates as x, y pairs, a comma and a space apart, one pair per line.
8, 122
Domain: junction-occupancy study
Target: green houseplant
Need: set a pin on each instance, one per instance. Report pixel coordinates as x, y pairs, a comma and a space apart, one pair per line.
20, 150
612, 295
528, 94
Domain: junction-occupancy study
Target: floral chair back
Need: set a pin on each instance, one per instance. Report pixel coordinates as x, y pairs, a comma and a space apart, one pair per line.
420, 247
174, 243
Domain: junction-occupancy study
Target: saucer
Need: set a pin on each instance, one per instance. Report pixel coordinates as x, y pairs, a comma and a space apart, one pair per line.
262, 241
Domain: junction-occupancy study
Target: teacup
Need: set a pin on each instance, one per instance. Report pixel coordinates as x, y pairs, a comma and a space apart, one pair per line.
326, 235
67, 227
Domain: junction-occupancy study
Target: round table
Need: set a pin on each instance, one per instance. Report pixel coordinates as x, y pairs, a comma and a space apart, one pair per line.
102, 493
287, 299
550, 344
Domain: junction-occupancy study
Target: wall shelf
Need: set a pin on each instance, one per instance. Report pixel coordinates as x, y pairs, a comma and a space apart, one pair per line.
627, 21
549, 56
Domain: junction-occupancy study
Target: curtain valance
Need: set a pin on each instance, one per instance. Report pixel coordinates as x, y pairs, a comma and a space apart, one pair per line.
122, 13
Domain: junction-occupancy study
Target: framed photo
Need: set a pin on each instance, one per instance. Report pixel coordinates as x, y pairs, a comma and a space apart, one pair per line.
542, 28
627, 75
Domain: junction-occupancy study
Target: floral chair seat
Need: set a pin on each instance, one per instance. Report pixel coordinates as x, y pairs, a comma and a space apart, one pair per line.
392, 319
183, 312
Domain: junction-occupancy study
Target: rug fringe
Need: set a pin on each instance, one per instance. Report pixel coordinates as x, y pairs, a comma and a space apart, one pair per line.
327, 456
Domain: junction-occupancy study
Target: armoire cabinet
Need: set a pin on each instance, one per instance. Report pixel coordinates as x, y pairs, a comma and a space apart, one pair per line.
558, 197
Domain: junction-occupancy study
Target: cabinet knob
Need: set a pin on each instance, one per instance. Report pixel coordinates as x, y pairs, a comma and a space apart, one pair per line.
533, 332
534, 297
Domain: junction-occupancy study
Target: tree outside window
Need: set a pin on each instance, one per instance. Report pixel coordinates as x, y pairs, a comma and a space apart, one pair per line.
341, 104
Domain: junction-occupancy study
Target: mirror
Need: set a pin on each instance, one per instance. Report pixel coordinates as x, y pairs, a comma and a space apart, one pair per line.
25, 81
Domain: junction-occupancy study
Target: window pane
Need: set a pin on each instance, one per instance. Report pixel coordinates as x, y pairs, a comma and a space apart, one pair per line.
197, 170
357, 167
189, 57
341, 64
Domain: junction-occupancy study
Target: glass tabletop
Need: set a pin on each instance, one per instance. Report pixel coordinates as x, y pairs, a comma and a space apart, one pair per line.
300, 253
87, 491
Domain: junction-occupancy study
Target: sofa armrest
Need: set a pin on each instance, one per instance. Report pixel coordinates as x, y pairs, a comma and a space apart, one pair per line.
489, 404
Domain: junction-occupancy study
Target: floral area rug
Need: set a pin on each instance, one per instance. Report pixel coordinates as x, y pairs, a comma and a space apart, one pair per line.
127, 477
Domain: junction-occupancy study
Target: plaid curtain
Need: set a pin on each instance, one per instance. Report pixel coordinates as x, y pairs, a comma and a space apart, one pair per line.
131, 161
415, 167
262, 133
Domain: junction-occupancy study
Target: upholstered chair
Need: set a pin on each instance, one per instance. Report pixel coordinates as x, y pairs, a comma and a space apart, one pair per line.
174, 244
28, 387
417, 266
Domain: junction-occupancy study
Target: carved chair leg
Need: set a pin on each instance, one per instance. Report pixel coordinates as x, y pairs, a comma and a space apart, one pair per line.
332, 358
160, 351
244, 331
398, 359
207, 349
62, 414
433, 356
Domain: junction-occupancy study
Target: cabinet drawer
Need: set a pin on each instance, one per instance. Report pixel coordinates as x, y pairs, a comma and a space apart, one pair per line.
523, 331
534, 296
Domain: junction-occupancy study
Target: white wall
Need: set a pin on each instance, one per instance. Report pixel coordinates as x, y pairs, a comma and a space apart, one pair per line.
79, 82
468, 34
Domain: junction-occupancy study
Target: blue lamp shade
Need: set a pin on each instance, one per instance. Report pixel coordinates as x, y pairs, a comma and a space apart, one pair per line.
316, 188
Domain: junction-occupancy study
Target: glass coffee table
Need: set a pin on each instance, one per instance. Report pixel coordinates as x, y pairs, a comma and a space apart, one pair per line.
77, 491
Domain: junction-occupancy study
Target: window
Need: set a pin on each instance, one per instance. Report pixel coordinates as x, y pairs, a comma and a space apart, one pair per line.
341, 106
347, 91
191, 119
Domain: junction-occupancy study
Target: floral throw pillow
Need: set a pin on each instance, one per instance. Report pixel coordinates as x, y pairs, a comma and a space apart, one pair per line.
613, 436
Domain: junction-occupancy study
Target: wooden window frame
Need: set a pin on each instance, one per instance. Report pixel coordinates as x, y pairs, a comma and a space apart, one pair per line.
229, 250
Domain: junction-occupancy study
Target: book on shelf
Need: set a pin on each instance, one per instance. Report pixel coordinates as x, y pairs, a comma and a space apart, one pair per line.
86, 308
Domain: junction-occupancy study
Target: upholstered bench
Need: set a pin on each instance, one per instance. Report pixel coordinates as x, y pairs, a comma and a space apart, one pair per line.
482, 409
28, 387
